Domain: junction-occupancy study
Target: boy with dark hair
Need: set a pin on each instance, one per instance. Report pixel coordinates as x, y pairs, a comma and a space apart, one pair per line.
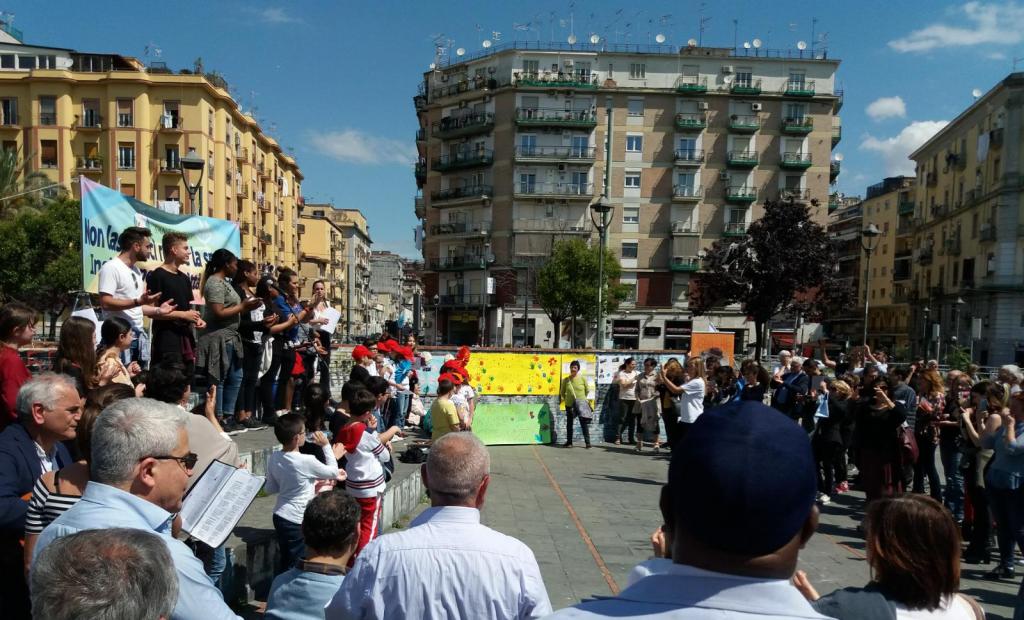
292, 476
174, 338
379, 387
330, 528
364, 452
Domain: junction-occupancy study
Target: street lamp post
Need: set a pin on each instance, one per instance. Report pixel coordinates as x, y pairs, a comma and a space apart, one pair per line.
603, 209
484, 260
869, 241
956, 319
926, 311
191, 161
437, 329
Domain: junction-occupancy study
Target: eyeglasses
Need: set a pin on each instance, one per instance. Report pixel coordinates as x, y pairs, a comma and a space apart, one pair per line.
189, 460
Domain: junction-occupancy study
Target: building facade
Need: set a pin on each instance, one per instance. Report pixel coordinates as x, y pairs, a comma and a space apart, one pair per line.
844, 231
967, 255
512, 145
359, 304
322, 255
118, 122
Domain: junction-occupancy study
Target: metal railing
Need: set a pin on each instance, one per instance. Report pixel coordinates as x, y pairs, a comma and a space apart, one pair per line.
476, 157
556, 79
556, 116
687, 191
460, 228
551, 225
743, 158
90, 163
554, 189
684, 228
694, 156
799, 88
461, 125
744, 122
691, 120
48, 118
457, 193
802, 160
734, 229
555, 152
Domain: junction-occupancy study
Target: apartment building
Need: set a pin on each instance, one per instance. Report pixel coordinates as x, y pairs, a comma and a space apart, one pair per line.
322, 254
512, 154
359, 304
844, 230
968, 259
118, 122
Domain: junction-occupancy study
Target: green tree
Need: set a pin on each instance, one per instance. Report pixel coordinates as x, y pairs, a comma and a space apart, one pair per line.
40, 257
567, 285
958, 358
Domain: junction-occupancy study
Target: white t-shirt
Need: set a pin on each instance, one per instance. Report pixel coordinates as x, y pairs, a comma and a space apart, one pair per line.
956, 609
691, 401
292, 476
627, 393
122, 282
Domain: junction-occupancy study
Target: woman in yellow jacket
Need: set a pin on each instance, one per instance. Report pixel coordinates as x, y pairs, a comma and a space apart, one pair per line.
574, 395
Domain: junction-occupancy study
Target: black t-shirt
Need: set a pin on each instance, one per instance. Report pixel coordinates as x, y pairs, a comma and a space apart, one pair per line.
177, 287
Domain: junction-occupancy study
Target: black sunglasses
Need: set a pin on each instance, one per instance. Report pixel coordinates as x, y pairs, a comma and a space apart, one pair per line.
189, 460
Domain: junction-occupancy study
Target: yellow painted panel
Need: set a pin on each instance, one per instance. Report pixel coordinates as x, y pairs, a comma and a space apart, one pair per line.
515, 373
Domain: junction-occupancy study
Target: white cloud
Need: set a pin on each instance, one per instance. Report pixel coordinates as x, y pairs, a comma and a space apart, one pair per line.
974, 23
895, 151
357, 147
886, 107
277, 15
996, 56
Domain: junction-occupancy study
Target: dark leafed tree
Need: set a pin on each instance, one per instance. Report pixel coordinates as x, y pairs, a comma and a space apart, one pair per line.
785, 264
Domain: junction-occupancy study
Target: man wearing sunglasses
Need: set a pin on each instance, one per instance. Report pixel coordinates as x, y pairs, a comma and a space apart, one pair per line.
141, 463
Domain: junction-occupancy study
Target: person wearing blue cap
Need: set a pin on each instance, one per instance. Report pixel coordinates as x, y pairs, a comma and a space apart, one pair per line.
735, 526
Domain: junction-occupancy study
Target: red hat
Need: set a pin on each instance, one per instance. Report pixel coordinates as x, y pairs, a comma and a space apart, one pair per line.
454, 378
463, 354
405, 352
360, 352
383, 346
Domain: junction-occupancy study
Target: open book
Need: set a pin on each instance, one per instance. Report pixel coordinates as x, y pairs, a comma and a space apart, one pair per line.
216, 502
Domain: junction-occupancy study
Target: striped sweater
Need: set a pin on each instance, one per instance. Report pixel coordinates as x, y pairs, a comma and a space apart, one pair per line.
364, 455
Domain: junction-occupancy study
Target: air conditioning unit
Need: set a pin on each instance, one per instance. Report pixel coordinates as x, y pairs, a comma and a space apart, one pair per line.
727, 69
723, 175
756, 107
568, 62
702, 105
561, 167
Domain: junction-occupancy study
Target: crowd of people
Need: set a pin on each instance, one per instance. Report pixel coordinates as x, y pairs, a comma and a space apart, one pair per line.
96, 457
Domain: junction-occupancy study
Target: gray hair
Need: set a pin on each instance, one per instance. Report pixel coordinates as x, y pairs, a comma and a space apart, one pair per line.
43, 389
1014, 370
127, 432
104, 575
456, 464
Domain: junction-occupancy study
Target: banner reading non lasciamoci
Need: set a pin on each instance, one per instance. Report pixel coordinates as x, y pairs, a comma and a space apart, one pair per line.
106, 212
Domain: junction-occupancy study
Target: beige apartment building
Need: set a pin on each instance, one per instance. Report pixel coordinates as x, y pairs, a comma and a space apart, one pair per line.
124, 124
322, 254
359, 318
512, 145
968, 223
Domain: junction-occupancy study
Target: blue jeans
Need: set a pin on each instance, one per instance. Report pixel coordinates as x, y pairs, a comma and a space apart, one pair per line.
229, 386
289, 542
954, 495
214, 559
398, 406
1008, 511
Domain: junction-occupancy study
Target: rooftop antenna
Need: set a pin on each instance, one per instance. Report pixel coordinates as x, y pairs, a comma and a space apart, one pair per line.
814, 25
735, 35
702, 23
1015, 61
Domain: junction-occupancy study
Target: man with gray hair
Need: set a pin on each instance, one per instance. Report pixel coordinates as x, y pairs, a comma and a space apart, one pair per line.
48, 409
423, 571
139, 469
105, 575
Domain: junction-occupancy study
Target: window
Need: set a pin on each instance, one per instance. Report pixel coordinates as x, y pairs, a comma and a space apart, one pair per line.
974, 226
209, 122
636, 107
634, 144
47, 110
26, 62
8, 111
48, 153
10, 146
172, 160
172, 192
172, 115
128, 189
125, 118
47, 62
580, 146
744, 78
633, 179
580, 183
637, 70
686, 182
527, 183
796, 79
583, 71
126, 155
631, 215
630, 249
6, 61
531, 67
90, 113
527, 144
796, 111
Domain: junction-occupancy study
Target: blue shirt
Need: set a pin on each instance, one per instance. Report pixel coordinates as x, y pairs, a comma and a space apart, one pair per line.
301, 595
1006, 470
103, 507
401, 369
283, 312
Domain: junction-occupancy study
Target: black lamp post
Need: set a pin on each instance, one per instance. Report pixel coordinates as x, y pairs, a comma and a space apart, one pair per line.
192, 161
437, 309
603, 210
869, 241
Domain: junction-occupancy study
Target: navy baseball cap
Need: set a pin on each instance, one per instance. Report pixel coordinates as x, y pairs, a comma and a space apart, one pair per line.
743, 480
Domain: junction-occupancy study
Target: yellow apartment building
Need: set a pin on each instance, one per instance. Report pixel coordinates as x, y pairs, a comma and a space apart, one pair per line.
322, 255
357, 319
116, 121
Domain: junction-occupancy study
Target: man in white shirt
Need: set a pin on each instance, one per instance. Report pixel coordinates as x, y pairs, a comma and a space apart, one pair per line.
122, 289
422, 572
734, 526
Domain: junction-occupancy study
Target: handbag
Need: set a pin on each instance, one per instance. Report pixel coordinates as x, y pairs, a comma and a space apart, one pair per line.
908, 445
822, 411
583, 409
266, 355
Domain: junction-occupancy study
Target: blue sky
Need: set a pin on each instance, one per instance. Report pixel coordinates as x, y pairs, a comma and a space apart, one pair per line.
333, 81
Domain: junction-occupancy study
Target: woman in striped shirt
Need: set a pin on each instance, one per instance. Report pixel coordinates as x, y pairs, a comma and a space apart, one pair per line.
57, 491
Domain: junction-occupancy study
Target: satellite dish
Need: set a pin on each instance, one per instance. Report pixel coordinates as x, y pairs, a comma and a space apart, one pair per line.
746, 45
757, 43
976, 93
487, 43
727, 79
461, 51
801, 45
594, 39
692, 42
838, 157
572, 39
433, 66
660, 38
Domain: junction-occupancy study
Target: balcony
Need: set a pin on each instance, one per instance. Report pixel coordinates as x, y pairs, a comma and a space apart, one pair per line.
687, 193
795, 161
685, 229
91, 121
265, 238
901, 272
468, 229
799, 88
924, 256
987, 232
833, 203
560, 79
740, 194
556, 117
905, 229
461, 194
742, 159
794, 194
833, 170
170, 166
459, 126
466, 300
47, 118
419, 208
420, 171
689, 157
9, 120
735, 229
746, 87
583, 191
685, 263
798, 126
905, 207
939, 211
900, 295
555, 154
952, 246
125, 120
90, 165
459, 161
456, 263
744, 123
691, 85
421, 135
837, 135
691, 121
170, 124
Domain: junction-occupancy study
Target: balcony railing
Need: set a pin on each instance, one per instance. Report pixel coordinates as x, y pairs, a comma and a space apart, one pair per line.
462, 193
418, 207
744, 123
556, 117
833, 169
833, 204
685, 193
795, 161
455, 126
94, 164
746, 87
742, 159
9, 120
685, 263
904, 229
837, 134
551, 225
797, 194
560, 79
906, 207
740, 193
734, 229
684, 229
555, 153
125, 120
801, 126
987, 232
799, 88
554, 189
90, 120
691, 84
457, 263
689, 157
460, 228
690, 121
421, 135
170, 165
469, 159
467, 300
170, 123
